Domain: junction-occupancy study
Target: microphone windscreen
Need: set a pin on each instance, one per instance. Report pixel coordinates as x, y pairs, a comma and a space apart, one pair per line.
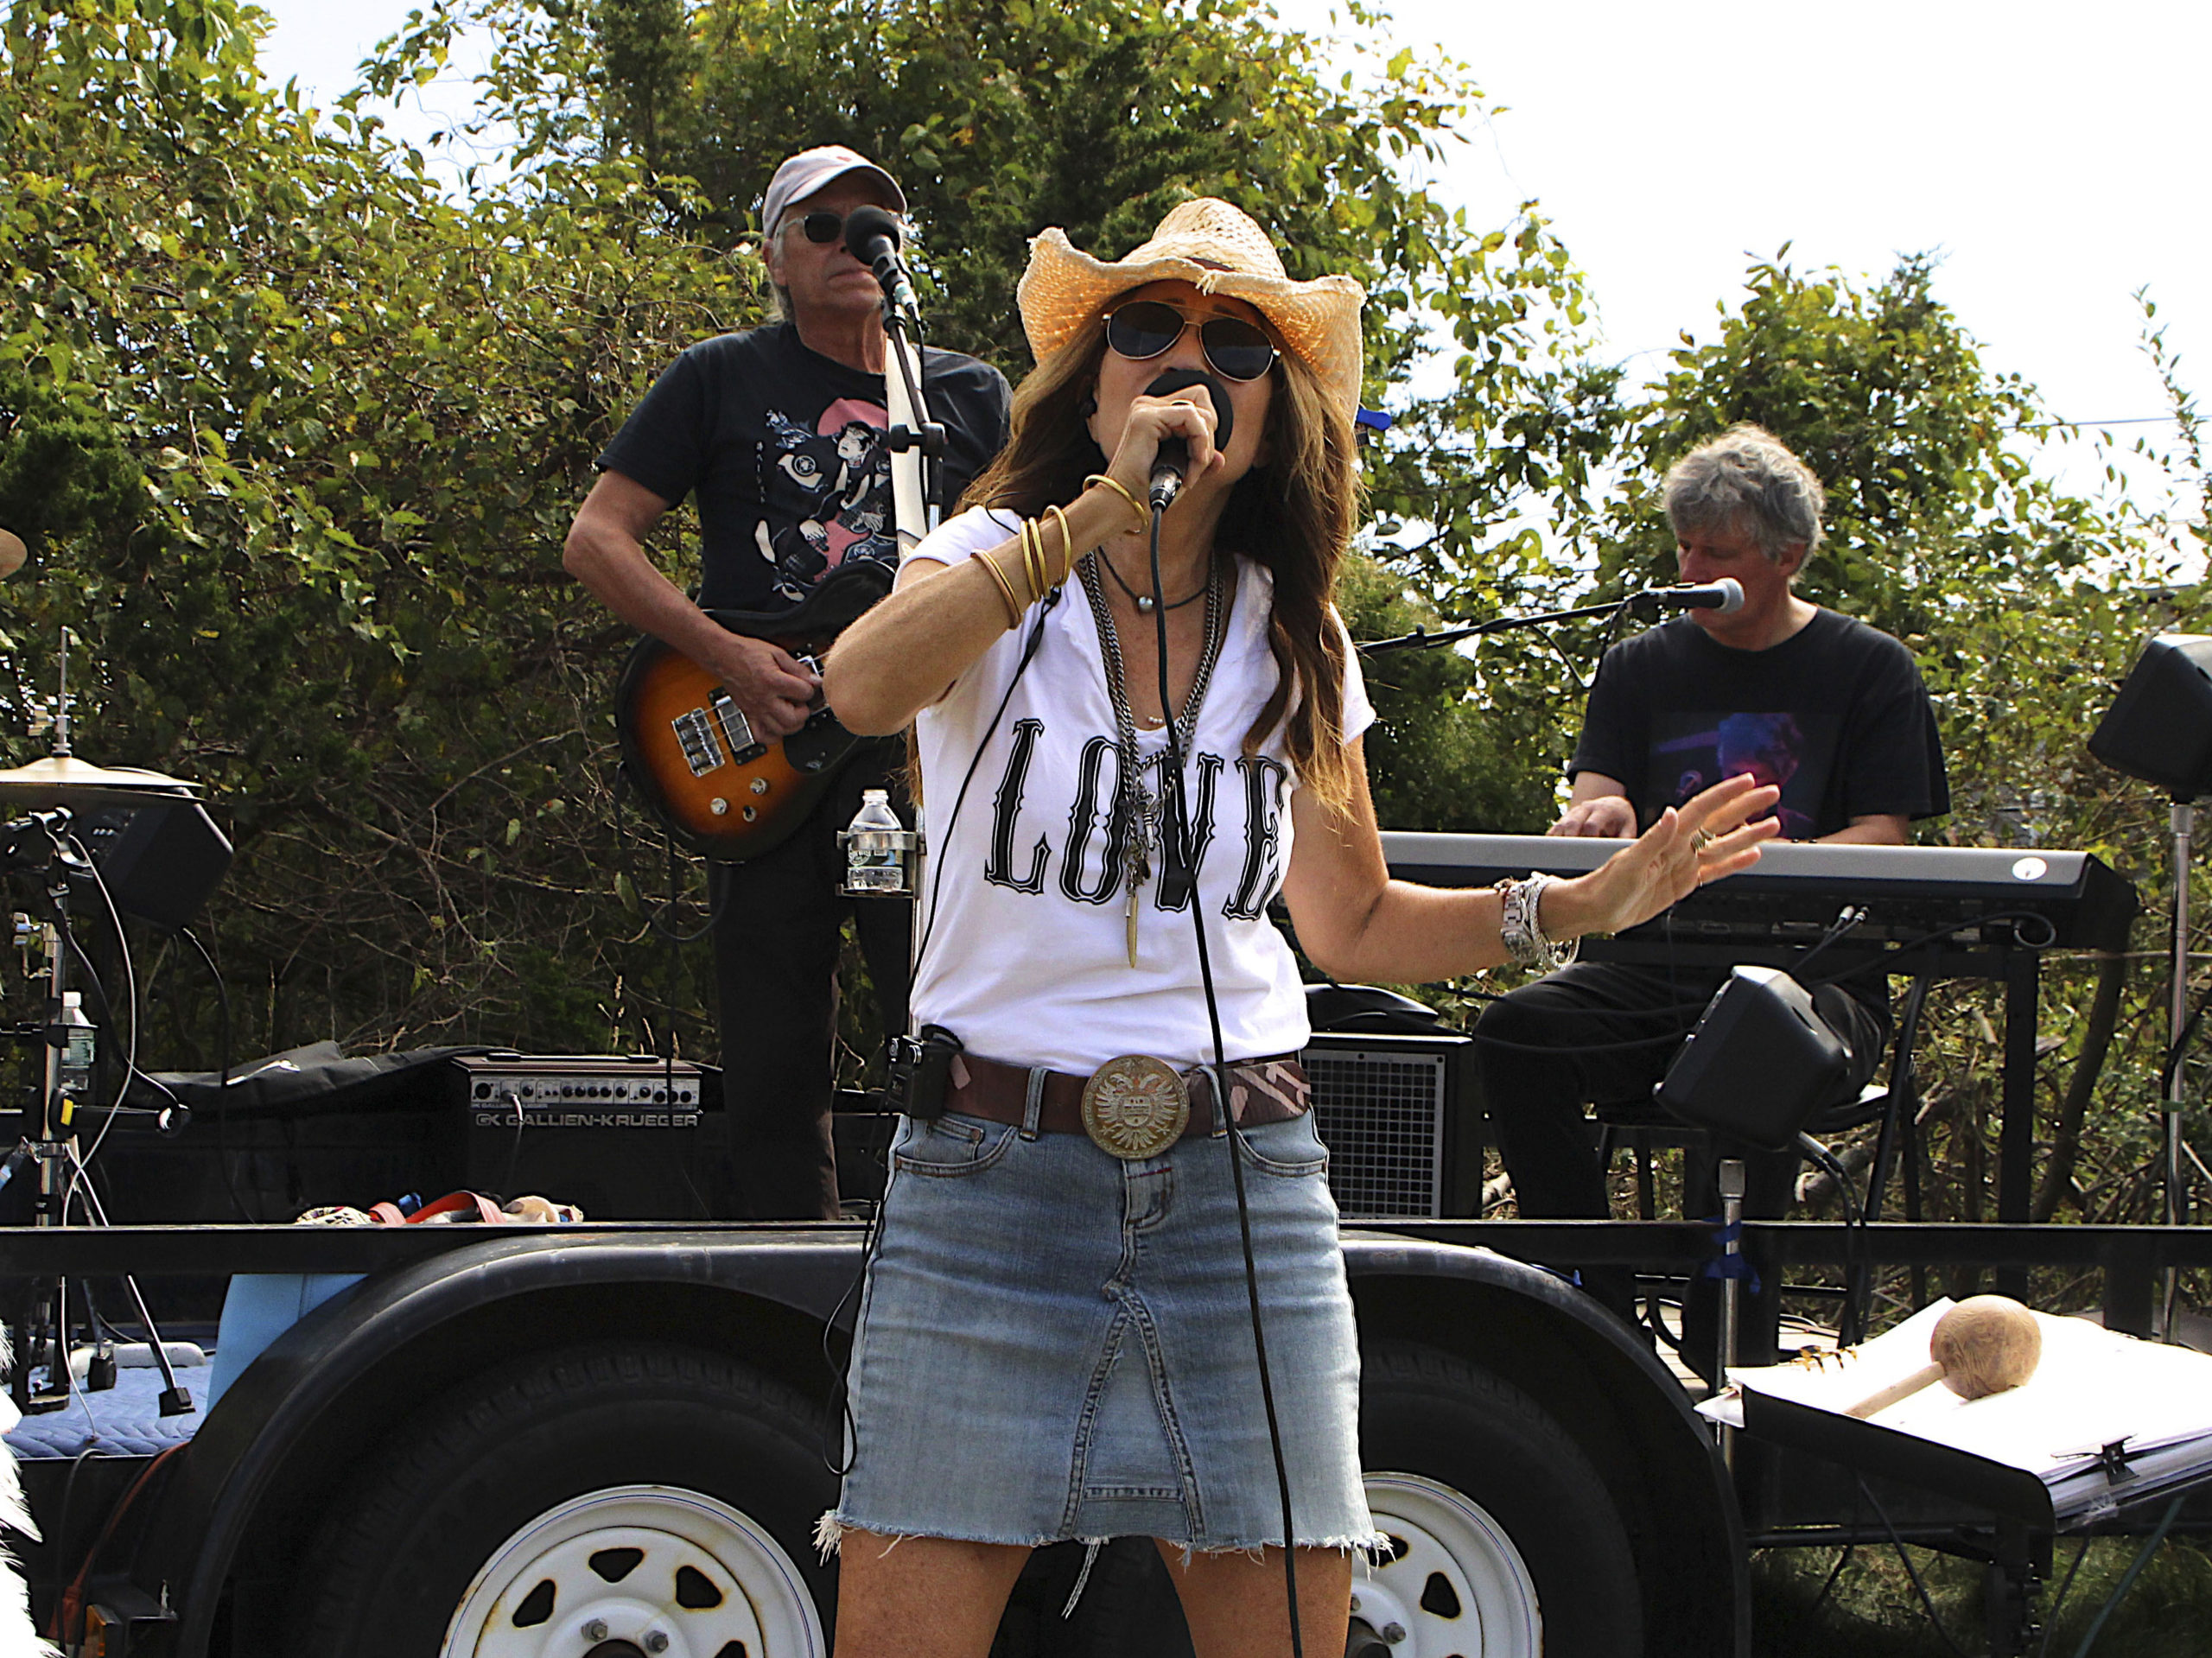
1170, 381
865, 229
1731, 595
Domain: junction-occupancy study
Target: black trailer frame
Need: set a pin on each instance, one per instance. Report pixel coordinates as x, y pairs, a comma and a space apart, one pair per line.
1461, 1284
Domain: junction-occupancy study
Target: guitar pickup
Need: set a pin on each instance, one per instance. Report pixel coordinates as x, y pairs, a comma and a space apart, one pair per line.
737, 730
695, 735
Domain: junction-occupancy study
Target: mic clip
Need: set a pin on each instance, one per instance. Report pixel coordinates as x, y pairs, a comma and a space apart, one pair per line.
930, 439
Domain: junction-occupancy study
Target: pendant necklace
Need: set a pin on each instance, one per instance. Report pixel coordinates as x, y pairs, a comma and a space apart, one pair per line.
1136, 809
1143, 600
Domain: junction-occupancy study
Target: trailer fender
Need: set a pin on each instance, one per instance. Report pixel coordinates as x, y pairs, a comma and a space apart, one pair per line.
1607, 1390
400, 1337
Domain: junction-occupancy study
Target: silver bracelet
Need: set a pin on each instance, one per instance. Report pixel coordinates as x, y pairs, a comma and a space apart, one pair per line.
1521, 930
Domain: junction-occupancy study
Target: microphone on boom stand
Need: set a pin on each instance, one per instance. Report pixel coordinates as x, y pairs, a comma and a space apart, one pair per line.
1726, 595
872, 236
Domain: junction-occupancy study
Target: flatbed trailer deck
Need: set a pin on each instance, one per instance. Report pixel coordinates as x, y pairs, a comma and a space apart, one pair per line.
1529, 1449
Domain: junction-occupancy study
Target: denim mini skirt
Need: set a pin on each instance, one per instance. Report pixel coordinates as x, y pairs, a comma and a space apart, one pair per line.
1056, 1344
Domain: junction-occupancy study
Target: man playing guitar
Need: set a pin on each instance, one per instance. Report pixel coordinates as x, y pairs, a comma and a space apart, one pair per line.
778, 431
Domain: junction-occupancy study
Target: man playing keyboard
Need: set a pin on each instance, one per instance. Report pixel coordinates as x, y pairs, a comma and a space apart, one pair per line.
1828, 708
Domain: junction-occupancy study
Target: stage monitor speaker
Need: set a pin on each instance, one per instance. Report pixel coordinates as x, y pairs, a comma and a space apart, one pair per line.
160, 861
2159, 727
1400, 1118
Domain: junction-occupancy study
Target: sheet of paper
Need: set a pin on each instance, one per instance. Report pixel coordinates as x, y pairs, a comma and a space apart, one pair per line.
2090, 1388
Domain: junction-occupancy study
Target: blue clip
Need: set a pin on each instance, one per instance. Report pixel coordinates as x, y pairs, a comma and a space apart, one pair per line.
1723, 1265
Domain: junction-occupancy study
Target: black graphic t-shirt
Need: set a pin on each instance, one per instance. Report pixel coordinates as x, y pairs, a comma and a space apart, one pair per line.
784, 448
1836, 714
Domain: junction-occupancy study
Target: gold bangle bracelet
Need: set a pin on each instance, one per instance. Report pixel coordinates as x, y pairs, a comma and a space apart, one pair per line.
1144, 516
1005, 587
1032, 559
1067, 541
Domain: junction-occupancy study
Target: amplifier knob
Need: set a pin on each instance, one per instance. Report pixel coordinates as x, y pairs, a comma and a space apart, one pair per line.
718, 806
483, 1090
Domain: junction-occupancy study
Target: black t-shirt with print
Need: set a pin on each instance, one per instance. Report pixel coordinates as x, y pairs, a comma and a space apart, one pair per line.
1836, 713
785, 449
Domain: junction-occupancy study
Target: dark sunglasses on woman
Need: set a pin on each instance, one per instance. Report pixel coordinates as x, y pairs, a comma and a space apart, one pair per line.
1236, 349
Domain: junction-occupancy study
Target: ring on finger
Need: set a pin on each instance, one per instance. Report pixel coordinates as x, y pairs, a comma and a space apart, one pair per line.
1701, 839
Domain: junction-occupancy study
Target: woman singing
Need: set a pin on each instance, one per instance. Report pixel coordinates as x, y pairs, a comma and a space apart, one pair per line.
1055, 1341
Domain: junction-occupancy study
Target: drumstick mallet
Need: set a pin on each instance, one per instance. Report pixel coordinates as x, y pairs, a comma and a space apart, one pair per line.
1987, 1344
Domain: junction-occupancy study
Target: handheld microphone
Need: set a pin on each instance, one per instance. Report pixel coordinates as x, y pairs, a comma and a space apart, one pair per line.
872, 236
1175, 452
1726, 595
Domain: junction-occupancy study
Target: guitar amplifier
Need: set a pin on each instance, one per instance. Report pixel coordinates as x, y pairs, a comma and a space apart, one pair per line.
1401, 1119
623, 1137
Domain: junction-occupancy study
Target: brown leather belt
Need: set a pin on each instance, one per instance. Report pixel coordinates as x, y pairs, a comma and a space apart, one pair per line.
1272, 1090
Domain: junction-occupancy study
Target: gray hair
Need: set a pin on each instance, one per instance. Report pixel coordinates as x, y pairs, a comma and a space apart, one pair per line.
779, 297
1746, 477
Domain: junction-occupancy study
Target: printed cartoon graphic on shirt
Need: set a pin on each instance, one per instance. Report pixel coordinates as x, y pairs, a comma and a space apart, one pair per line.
1090, 849
1691, 750
831, 489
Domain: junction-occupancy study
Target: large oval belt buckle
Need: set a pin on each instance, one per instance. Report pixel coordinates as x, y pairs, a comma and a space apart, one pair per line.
1135, 1106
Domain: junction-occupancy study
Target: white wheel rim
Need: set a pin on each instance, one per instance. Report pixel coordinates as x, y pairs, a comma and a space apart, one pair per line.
651, 1570
1454, 1583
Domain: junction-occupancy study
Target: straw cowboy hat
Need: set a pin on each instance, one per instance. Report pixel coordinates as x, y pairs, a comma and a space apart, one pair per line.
1217, 248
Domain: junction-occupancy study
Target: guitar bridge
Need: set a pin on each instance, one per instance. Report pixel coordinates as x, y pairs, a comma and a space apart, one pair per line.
737, 730
695, 735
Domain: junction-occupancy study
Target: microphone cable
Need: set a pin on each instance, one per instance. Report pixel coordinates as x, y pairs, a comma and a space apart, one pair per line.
1177, 826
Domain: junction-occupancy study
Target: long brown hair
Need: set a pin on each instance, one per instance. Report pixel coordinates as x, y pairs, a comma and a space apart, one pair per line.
1293, 515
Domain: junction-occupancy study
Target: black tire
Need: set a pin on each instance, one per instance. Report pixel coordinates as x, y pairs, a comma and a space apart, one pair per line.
1491, 1505
512, 1487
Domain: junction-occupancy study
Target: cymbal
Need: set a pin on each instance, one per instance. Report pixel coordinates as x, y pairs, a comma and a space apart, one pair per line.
12, 552
65, 780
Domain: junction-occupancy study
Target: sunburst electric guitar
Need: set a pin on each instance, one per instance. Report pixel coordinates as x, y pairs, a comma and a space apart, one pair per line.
722, 793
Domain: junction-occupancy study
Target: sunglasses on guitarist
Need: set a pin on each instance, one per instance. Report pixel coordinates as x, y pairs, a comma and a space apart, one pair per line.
1236, 349
822, 227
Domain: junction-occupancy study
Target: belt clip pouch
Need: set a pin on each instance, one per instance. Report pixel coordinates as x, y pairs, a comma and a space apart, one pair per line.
919, 1074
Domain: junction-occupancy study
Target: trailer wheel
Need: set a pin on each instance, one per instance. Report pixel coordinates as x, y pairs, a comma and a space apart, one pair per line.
617, 1502
1504, 1540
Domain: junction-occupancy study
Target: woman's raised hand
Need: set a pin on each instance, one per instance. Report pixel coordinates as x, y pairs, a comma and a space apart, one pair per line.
1701, 841
1188, 414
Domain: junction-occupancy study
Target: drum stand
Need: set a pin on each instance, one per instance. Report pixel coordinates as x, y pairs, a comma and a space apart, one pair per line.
69, 1038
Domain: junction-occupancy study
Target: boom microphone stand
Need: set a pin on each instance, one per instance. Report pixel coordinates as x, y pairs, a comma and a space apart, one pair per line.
1725, 595
916, 442
2182, 820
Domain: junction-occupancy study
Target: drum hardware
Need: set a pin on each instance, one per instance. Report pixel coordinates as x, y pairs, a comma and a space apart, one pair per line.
53, 795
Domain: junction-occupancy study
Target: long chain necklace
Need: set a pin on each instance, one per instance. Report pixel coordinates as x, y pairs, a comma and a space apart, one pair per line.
1137, 808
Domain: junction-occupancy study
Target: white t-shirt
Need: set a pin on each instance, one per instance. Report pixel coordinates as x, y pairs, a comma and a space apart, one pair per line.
1028, 960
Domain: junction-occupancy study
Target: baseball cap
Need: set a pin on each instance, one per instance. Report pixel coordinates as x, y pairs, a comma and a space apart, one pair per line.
811, 169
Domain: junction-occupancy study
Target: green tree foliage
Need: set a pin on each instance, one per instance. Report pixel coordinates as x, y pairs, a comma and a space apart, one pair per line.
295, 425
2025, 606
2023, 603
295, 438
1445, 752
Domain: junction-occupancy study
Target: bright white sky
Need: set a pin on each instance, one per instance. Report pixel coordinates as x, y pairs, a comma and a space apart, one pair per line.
2054, 155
